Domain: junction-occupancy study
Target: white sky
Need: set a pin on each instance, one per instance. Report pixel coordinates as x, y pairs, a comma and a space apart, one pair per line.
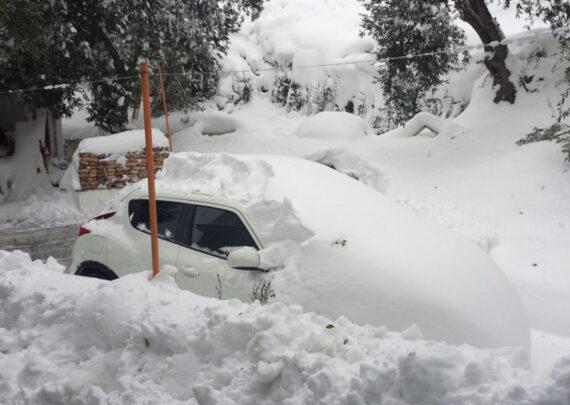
507, 19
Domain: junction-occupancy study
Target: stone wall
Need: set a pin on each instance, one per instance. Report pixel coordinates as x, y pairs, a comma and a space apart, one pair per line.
104, 171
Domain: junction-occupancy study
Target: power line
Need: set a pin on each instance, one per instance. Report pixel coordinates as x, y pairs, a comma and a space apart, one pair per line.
533, 35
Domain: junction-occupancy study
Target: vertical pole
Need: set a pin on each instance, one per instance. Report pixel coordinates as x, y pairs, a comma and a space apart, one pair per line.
145, 90
163, 96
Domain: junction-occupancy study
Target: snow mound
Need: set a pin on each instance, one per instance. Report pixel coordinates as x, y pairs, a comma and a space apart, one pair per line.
419, 122
351, 165
123, 142
68, 339
333, 126
215, 123
329, 238
215, 174
44, 210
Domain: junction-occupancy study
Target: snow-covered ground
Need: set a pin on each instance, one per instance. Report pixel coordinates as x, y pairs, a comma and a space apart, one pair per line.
63, 339
45, 209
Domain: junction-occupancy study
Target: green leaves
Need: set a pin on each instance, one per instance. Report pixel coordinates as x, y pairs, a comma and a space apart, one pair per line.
67, 41
406, 28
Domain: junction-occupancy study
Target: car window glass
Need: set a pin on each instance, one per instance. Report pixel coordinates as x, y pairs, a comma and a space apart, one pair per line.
168, 215
218, 231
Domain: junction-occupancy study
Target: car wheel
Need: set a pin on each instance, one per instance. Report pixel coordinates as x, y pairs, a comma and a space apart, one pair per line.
96, 270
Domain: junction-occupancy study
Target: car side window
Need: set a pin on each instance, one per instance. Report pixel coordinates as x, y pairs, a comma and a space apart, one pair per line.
217, 231
168, 215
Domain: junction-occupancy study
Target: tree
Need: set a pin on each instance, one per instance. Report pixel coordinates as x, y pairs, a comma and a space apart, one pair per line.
398, 26
78, 41
29, 57
403, 27
253, 7
556, 13
476, 13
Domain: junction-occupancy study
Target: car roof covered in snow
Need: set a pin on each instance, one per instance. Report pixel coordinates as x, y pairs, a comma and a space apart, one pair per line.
185, 197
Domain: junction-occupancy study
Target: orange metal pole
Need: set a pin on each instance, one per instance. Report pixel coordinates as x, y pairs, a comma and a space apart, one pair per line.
145, 90
163, 95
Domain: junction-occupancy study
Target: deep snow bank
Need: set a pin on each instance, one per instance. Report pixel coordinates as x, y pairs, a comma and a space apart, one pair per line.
69, 339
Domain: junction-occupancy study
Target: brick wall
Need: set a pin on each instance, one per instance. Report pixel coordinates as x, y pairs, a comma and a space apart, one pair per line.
100, 171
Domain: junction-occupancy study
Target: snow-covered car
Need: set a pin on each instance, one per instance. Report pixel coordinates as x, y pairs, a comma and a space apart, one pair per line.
309, 235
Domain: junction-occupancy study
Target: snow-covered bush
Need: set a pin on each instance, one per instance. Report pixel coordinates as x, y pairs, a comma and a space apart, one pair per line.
284, 51
309, 100
280, 90
556, 132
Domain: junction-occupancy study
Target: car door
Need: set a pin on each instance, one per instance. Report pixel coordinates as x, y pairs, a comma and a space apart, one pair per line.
212, 233
130, 251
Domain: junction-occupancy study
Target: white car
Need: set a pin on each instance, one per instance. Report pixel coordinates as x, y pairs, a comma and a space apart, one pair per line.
195, 232
322, 239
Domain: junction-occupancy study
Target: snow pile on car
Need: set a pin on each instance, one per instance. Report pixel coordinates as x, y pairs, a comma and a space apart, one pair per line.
68, 339
351, 165
245, 181
336, 239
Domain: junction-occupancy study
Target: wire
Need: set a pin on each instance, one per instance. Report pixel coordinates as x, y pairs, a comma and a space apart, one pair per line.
66, 85
534, 34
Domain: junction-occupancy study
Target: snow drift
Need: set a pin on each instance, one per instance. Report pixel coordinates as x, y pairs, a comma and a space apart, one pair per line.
68, 339
335, 239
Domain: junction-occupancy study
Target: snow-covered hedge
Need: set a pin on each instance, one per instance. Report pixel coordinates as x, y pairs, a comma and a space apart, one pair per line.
67, 339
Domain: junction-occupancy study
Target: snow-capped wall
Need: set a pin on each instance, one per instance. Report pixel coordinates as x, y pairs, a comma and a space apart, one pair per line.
112, 161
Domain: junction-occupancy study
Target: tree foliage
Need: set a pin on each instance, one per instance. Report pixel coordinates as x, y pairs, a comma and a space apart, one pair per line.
415, 27
69, 41
411, 27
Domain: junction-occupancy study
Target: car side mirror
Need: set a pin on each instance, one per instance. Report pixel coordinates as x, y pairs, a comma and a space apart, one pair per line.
244, 258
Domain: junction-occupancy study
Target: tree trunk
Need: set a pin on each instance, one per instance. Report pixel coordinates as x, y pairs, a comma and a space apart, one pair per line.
476, 14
